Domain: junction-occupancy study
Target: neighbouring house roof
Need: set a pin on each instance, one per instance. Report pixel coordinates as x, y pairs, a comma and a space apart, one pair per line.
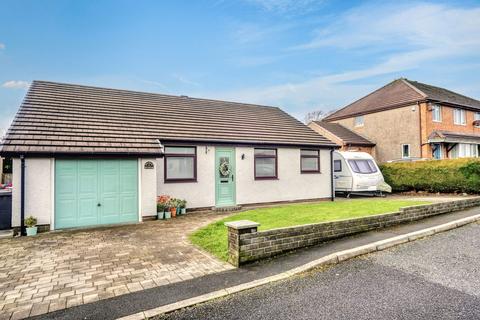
453, 137
346, 135
59, 118
402, 92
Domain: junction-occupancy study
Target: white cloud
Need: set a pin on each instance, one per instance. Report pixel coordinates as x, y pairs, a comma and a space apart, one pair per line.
16, 84
421, 26
154, 83
408, 37
2, 46
185, 80
284, 6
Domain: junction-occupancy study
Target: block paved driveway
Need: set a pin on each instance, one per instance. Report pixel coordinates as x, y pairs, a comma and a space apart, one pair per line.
63, 269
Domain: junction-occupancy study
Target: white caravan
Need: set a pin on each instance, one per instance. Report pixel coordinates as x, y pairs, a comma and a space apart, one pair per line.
357, 172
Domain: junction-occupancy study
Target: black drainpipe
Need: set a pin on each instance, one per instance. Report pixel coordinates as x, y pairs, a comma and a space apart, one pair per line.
22, 197
332, 187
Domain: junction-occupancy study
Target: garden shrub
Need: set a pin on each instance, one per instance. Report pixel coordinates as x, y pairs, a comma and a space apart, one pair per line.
447, 176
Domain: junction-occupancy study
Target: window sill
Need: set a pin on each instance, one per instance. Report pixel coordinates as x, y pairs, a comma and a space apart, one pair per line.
310, 172
180, 181
266, 178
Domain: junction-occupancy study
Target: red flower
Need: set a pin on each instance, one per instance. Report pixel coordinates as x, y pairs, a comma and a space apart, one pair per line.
163, 199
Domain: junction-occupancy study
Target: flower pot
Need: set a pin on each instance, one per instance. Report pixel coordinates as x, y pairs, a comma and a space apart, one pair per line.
167, 214
179, 211
160, 215
183, 211
32, 231
173, 212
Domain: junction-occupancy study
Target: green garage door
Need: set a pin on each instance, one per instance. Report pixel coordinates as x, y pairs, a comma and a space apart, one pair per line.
95, 192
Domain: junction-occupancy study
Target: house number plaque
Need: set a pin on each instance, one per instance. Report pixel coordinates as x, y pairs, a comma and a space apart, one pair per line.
149, 165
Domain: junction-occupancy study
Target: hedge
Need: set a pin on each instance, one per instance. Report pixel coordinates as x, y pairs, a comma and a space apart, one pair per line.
449, 176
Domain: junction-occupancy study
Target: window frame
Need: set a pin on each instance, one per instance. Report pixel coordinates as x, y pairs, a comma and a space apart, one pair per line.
437, 107
310, 157
255, 156
476, 117
356, 124
340, 162
180, 155
409, 151
462, 111
353, 163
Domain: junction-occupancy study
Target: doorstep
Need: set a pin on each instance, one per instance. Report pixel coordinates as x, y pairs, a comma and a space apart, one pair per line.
5, 234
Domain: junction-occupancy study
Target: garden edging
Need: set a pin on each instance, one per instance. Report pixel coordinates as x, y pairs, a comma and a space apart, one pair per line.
330, 259
246, 244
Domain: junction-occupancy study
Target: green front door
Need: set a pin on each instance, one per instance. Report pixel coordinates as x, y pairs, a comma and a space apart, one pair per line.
95, 192
224, 177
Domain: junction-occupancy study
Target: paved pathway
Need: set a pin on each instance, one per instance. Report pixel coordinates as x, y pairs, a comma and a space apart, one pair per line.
434, 278
63, 269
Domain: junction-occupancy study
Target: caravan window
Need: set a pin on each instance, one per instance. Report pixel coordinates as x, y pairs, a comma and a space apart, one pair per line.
362, 166
337, 165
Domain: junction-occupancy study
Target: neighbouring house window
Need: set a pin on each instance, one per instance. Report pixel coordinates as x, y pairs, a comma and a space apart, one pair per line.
405, 151
265, 163
465, 150
459, 116
180, 164
309, 161
337, 165
477, 118
362, 166
359, 121
437, 113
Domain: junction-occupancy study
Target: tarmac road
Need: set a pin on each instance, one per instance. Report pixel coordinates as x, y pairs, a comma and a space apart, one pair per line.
434, 278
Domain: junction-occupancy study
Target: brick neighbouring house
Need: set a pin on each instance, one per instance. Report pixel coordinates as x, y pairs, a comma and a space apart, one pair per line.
346, 138
408, 119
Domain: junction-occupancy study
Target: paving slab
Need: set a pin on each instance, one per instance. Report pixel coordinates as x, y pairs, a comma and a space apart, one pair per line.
58, 270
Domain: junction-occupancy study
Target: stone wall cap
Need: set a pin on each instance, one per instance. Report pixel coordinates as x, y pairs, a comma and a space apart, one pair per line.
242, 224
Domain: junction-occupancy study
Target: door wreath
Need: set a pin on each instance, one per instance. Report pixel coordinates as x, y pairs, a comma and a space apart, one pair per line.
225, 169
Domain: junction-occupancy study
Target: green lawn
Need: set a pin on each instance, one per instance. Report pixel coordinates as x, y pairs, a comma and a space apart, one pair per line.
213, 238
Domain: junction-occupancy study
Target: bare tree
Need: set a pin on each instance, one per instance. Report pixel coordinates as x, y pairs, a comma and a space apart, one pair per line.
317, 115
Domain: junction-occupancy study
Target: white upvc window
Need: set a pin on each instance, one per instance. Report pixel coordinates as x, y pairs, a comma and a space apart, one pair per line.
405, 151
359, 121
477, 118
465, 150
437, 113
459, 117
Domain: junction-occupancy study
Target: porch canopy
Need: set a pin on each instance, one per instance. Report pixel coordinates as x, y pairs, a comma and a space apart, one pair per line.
453, 137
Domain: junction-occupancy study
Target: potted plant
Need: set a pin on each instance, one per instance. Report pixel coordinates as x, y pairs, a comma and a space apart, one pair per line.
31, 223
163, 209
160, 211
162, 206
178, 204
173, 207
183, 206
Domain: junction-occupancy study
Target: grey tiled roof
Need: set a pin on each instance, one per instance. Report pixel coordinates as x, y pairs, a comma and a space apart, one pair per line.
399, 93
347, 136
62, 118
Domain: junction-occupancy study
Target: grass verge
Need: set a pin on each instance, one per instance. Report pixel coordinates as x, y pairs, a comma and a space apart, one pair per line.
213, 237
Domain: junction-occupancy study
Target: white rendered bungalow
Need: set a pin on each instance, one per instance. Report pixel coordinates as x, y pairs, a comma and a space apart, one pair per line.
87, 156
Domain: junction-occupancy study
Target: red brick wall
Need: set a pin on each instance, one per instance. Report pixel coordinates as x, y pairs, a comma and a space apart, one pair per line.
428, 126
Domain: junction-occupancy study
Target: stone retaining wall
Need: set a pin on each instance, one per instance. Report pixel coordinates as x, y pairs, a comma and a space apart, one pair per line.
246, 244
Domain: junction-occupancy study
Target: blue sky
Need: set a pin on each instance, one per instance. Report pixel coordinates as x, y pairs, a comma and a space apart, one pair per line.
300, 55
